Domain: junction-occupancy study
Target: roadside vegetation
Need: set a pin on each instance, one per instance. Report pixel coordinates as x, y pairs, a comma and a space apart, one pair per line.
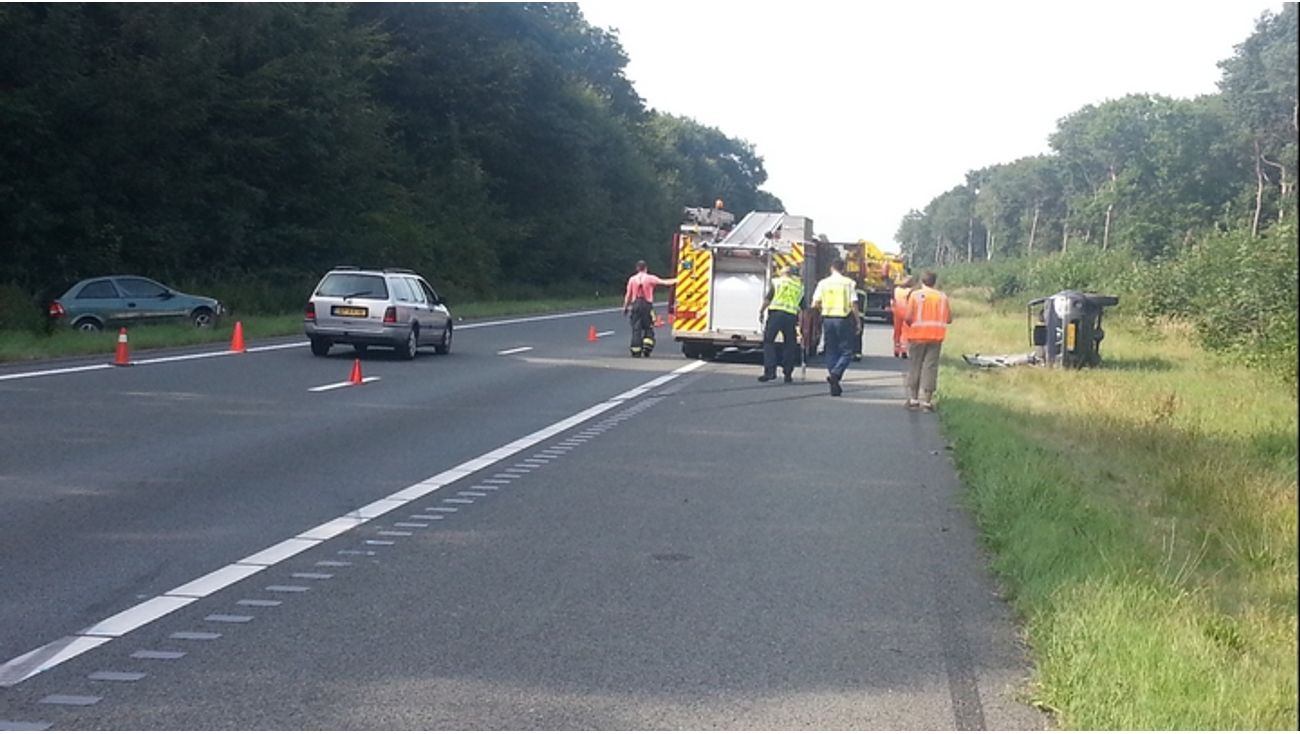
1143, 517
29, 344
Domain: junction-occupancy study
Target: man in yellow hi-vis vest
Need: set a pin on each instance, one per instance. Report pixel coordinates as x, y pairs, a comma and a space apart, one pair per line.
841, 321
781, 306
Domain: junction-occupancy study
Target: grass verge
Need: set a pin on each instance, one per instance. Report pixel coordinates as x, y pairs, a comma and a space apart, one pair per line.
1143, 516
17, 345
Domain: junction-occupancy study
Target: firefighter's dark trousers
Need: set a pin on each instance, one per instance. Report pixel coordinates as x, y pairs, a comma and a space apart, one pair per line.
783, 323
643, 328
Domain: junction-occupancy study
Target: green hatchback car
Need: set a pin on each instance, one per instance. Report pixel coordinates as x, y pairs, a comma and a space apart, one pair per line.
130, 300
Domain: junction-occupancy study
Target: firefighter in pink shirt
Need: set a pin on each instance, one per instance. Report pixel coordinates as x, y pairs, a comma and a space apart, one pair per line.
637, 304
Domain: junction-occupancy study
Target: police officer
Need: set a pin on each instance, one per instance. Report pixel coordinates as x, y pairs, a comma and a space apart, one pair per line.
841, 321
781, 307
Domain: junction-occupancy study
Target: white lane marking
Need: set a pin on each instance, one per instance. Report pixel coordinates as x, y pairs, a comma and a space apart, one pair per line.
61, 371
604, 333
61, 699
180, 358
195, 635
47, 656
281, 551
160, 654
115, 675
219, 579
229, 618
52, 654
337, 385
516, 350
291, 345
138, 616
531, 319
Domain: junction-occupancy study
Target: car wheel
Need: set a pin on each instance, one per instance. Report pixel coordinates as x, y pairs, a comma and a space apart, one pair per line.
320, 347
202, 318
88, 325
444, 347
412, 345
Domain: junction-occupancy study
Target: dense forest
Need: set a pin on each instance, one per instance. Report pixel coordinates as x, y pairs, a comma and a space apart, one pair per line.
496, 147
1186, 208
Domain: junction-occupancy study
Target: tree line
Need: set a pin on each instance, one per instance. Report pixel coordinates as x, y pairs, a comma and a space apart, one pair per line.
490, 145
1186, 209
1145, 174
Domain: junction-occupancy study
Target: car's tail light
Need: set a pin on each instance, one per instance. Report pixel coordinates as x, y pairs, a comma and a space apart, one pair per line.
56, 310
390, 315
310, 313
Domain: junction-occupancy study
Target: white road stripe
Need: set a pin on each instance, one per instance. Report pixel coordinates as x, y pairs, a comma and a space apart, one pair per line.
138, 615
337, 385
516, 350
290, 345
62, 371
604, 333
47, 656
531, 319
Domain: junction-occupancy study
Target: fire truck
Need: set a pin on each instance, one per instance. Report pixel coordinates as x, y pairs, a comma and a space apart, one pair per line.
875, 273
723, 270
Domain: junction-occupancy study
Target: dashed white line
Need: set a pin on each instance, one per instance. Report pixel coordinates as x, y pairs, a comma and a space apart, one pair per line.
52, 654
516, 350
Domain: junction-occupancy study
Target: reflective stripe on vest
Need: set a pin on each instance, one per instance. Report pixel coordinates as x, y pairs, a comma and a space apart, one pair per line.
837, 294
787, 292
929, 311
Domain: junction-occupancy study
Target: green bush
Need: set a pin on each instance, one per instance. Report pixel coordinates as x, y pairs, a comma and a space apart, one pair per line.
18, 311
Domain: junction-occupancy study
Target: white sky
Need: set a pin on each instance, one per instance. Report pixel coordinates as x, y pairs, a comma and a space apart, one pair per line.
862, 111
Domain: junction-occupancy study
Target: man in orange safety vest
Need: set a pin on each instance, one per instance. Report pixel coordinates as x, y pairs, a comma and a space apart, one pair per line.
927, 319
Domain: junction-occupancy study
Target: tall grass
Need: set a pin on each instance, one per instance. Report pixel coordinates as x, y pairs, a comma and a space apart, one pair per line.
1144, 516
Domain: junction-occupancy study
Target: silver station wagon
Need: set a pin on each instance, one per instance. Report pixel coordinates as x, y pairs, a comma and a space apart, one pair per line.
377, 308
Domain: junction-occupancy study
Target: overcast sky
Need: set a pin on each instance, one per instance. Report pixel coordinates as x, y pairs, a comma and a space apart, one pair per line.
862, 111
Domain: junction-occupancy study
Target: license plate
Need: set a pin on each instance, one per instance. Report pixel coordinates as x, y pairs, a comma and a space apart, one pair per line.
350, 311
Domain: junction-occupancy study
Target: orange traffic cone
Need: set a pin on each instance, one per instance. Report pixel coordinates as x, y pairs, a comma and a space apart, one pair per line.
237, 340
659, 321
591, 334
123, 357
355, 377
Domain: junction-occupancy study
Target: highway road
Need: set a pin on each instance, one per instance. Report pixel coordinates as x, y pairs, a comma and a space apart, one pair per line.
533, 532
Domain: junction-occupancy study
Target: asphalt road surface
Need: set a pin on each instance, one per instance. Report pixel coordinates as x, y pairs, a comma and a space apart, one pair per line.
533, 532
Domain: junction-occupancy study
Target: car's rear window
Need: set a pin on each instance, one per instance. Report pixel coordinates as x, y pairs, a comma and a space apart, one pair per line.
352, 285
98, 289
